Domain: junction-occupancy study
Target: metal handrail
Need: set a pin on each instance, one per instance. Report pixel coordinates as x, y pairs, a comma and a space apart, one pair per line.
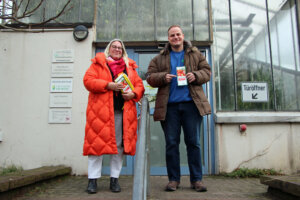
142, 163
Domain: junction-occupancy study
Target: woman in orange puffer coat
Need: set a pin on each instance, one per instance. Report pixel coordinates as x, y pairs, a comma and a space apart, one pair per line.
111, 116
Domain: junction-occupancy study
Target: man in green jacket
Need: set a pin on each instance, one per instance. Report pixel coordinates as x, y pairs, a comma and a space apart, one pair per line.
179, 72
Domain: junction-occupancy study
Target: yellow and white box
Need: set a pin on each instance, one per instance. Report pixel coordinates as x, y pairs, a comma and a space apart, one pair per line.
123, 78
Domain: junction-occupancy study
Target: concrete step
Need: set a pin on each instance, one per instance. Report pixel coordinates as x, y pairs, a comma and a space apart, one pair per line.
27, 177
287, 184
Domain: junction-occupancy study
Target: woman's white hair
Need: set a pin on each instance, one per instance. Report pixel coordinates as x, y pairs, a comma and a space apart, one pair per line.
124, 53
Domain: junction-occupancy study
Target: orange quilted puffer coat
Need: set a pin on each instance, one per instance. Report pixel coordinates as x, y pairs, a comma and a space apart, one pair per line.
100, 126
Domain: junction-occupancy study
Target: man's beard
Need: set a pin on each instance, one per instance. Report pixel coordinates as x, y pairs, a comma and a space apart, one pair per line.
176, 46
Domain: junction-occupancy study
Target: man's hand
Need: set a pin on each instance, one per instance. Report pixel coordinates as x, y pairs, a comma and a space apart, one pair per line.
169, 77
128, 95
190, 77
115, 86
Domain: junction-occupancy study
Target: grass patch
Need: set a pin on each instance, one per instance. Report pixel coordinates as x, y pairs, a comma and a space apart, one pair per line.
248, 173
10, 169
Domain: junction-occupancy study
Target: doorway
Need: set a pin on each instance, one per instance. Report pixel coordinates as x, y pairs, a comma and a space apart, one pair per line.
143, 56
157, 146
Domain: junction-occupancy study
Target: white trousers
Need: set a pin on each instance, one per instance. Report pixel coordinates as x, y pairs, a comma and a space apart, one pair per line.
116, 160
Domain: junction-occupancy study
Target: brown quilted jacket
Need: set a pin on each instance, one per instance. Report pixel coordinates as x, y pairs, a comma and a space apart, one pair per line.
160, 66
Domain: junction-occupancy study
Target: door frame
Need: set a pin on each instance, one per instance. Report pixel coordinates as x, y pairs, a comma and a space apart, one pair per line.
208, 122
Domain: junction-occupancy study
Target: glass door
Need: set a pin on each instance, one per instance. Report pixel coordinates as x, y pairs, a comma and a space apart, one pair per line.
157, 146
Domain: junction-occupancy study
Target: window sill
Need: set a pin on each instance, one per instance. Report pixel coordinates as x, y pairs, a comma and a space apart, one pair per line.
256, 117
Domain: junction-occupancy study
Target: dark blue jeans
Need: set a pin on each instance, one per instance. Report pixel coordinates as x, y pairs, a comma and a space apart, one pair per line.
185, 115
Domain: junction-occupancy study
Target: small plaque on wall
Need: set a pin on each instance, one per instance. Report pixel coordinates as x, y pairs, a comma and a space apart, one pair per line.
61, 85
59, 116
62, 70
63, 55
60, 100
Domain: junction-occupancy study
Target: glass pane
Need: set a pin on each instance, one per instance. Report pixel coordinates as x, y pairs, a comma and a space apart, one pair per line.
106, 22
135, 20
224, 81
251, 49
53, 7
36, 16
201, 22
169, 12
285, 53
87, 11
157, 146
289, 91
150, 92
144, 60
76, 11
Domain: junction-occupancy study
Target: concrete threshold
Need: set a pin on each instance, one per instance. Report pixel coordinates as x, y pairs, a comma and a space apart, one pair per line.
287, 184
27, 177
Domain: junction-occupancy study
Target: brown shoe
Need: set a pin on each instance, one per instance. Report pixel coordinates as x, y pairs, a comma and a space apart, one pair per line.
198, 186
172, 186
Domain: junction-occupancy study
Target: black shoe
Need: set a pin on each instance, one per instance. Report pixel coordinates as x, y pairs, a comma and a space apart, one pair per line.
92, 186
114, 185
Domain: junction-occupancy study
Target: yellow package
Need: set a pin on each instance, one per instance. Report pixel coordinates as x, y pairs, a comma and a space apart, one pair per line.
123, 78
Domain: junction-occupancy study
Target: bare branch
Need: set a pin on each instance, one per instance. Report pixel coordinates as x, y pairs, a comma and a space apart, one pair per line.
26, 7
15, 5
55, 17
14, 10
21, 3
34, 9
15, 15
6, 5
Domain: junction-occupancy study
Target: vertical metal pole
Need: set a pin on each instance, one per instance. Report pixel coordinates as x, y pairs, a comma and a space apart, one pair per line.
95, 19
155, 22
117, 19
298, 21
271, 59
294, 46
140, 179
79, 15
232, 55
193, 20
209, 15
297, 5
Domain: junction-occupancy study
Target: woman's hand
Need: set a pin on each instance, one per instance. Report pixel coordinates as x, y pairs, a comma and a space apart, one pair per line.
115, 86
128, 95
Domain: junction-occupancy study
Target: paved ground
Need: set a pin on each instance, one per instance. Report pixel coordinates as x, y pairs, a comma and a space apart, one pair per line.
73, 188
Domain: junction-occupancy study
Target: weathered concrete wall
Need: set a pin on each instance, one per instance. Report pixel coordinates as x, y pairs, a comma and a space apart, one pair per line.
25, 73
262, 145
